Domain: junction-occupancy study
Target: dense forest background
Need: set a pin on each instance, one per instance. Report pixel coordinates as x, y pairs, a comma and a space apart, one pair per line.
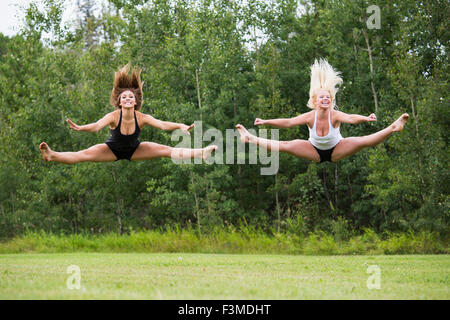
226, 62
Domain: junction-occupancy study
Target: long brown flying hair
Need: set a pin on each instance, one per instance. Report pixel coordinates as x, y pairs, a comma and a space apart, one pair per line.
124, 81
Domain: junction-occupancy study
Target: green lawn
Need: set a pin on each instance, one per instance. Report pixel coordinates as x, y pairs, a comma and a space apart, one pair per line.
210, 276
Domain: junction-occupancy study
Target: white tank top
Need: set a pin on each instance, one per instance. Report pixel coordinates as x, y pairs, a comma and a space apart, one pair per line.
326, 142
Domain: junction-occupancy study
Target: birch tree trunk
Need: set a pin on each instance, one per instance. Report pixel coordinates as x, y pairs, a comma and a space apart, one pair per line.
372, 85
198, 94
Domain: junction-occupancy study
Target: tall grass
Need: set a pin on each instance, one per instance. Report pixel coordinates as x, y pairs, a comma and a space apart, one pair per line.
230, 240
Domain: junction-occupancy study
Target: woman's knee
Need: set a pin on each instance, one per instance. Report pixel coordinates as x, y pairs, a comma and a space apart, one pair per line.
286, 146
95, 153
161, 150
155, 150
85, 155
292, 146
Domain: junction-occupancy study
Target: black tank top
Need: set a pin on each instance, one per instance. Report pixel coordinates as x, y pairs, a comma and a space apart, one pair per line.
124, 141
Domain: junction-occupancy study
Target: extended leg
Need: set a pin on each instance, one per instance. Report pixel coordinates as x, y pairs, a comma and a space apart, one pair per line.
97, 153
350, 146
298, 148
151, 150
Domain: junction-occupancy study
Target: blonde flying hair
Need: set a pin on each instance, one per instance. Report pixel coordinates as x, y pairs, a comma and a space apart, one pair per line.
323, 77
124, 81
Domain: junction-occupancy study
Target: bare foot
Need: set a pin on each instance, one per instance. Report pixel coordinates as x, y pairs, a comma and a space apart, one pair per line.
245, 135
46, 151
400, 122
207, 151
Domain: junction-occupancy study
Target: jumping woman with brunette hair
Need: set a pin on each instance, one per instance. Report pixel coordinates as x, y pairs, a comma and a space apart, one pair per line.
325, 141
125, 125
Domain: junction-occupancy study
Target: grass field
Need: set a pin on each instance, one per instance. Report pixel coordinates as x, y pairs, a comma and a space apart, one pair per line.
222, 276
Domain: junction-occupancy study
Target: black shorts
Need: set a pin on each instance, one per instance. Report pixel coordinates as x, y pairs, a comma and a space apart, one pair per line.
122, 153
325, 155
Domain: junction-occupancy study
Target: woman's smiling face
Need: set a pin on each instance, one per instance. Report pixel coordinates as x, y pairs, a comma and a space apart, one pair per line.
323, 99
127, 99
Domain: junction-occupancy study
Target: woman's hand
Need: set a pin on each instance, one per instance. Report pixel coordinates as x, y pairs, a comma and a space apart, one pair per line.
259, 122
186, 128
372, 117
73, 125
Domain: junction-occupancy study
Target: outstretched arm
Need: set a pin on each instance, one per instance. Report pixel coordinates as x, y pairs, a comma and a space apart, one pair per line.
285, 123
166, 125
93, 127
354, 118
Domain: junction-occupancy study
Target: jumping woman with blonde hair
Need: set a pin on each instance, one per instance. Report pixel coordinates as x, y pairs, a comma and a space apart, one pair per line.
125, 125
325, 140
